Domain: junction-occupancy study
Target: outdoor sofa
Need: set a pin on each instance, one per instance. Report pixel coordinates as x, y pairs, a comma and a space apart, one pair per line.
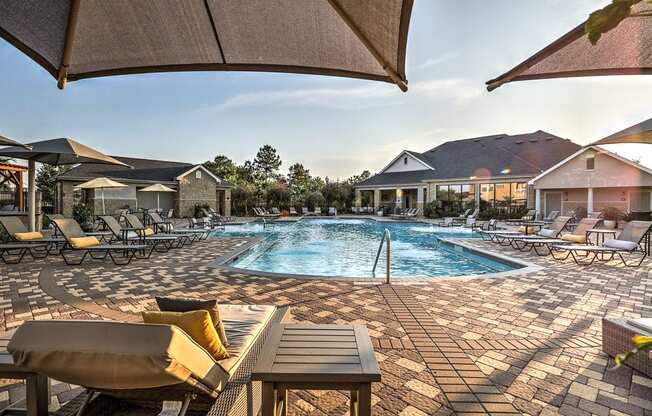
633, 240
146, 364
78, 241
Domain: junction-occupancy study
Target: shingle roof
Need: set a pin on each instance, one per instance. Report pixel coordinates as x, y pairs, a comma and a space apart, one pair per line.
523, 154
143, 170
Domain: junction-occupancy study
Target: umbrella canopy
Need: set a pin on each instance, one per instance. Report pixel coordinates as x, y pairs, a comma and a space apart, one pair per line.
157, 188
8, 142
101, 183
624, 50
59, 152
74, 40
98, 183
638, 133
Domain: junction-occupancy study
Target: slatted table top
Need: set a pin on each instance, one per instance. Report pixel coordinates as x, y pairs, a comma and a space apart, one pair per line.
317, 354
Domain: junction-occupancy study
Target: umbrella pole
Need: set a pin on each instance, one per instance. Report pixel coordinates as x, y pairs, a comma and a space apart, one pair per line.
103, 213
31, 193
158, 204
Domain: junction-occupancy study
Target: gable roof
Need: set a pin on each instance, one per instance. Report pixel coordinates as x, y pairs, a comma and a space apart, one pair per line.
415, 155
202, 168
142, 170
596, 149
487, 156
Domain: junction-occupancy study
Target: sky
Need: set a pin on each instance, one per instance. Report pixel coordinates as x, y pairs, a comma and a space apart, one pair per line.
338, 127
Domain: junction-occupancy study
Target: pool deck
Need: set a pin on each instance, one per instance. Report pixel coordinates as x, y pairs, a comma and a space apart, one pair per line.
528, 343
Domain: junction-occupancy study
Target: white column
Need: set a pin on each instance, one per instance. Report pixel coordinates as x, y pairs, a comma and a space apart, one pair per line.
399, 198
537, 202
358, 198
420, 198
589, 200
31, 193
376, 199
477, 195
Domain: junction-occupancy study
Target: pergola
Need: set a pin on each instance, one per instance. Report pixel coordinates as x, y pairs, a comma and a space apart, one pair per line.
14, 174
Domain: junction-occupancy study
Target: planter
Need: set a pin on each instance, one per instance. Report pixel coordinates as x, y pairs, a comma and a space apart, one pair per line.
285, 213
609, 224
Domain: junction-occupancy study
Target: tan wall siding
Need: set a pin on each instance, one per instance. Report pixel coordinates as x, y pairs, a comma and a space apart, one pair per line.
609, 172
195, 191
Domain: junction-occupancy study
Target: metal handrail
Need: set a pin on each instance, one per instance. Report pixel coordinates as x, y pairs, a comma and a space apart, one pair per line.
386, 237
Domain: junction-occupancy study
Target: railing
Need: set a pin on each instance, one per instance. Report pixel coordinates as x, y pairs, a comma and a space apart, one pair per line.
386, 238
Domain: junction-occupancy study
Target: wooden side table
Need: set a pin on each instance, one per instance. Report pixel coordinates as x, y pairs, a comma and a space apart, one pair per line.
37, 397
316, 357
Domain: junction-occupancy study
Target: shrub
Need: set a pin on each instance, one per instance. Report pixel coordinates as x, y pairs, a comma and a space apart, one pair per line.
198, 210
612, 214
279, 196
83, 214
315, 199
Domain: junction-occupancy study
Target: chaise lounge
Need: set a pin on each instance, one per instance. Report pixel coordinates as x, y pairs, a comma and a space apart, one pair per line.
146, 364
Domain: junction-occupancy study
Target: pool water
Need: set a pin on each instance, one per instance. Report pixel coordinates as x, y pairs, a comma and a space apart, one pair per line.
348, 247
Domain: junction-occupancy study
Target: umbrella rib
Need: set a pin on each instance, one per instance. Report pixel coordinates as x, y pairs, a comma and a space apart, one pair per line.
217, 37
356, 30
62, 78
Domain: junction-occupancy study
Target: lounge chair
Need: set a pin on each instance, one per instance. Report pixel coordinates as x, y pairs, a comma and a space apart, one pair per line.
167, 227
332, 211
13, 253
140, 229
78, 241
551, 217
211, 217
462, 219
577, 236
276, 211
147, 364
633, 240
617, 337
19, 234
168, 214
489, 225
445, 222
293, 212
159, 243
554, 230
199, 223
305, 211
317, 211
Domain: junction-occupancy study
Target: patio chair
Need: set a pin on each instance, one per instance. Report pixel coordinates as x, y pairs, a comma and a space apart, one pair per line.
553, 230
159, 243
445, 222
577, 236
19, 234
332, 211
293, 212
14, 253
167, 227
551, 217
141, 230
169, 214
147, 364
617, 337
223, 219
305, 211
489, 225
633, 240
317, 211
275, 211
78, 241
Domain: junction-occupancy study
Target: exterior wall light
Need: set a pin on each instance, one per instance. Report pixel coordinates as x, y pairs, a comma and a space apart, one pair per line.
505, 171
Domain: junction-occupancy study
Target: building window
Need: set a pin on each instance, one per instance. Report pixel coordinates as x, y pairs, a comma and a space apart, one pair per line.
405, 160
504, 196
198, 174
456, 197
590, 163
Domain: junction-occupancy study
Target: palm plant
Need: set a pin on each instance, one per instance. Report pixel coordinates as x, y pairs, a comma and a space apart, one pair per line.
641, 343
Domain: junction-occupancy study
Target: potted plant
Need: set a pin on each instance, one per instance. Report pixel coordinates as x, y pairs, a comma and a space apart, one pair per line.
611, 216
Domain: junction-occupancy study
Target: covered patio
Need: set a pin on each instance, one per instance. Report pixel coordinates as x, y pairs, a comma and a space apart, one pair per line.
400, 197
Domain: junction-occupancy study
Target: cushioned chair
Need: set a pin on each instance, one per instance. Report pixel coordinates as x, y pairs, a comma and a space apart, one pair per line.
150, 363
634, 239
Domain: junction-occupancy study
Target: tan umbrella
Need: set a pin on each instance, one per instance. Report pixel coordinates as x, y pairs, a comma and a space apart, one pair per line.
158, 188
623, 50
53, 152
638, 133
74, 40
8, 142
101, 184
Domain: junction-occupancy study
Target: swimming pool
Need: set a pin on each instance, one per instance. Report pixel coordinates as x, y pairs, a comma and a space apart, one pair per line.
347, 247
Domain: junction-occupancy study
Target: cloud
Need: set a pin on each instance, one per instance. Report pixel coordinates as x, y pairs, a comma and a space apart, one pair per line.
445, 57
358, 98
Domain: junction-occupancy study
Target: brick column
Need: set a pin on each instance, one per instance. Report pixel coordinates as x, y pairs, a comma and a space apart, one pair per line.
376, 199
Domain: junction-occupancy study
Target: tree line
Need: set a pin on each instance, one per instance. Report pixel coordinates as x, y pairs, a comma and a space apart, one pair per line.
260, 183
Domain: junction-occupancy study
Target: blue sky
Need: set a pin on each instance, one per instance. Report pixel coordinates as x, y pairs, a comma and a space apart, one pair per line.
337, 127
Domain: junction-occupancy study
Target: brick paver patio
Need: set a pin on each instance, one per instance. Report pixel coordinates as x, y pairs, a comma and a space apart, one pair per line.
528, 343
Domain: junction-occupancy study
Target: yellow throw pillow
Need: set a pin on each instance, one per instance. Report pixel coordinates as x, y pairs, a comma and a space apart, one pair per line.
197, 324
84, 242
146, 232
34, 235
523, 229
574, 238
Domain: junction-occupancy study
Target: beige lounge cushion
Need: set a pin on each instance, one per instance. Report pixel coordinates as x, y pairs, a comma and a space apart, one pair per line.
243, 324
169, 304
114, 355
575, 238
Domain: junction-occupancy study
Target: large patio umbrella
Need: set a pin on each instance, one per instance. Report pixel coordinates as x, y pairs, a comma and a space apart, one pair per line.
8, 142
623, 50
158, 188
101, 184
53, 152
638, 133
74, 40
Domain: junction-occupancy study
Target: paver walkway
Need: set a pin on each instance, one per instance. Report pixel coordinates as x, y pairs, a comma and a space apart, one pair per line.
523, 344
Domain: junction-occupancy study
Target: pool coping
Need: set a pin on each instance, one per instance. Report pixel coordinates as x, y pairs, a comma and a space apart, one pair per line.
223, 263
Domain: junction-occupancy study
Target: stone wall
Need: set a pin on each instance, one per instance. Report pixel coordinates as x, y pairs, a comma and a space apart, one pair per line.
194, 190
